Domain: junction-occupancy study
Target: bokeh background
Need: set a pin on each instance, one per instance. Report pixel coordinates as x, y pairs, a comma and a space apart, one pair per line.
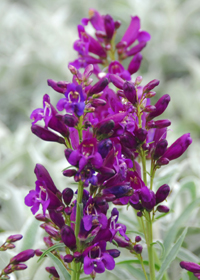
36, 39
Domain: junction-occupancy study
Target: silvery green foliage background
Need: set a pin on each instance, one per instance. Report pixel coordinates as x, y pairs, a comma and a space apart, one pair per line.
36, 44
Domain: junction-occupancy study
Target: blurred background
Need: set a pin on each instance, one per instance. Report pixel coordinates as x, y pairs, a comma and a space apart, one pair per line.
36, 44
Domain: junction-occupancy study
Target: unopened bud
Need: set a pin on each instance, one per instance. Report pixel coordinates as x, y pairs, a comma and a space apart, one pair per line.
162, 193
68, 237
163, 209
67, 195
151, 85
52, 270
68, 258
138, 238
14, 238
23, 256
138, 248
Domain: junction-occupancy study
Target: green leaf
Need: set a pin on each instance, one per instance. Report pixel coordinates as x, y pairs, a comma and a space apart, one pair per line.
186, 255
137, 262
138, 274
171, 255
181, 220
62, 271
54, 247
162, 248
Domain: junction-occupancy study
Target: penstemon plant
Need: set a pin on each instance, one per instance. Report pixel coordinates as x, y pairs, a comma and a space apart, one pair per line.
113, 145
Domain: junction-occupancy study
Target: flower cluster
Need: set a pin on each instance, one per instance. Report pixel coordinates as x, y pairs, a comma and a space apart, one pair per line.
105, 133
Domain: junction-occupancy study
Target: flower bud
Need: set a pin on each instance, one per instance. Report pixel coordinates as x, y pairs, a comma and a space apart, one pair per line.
135, 63
141, 134
106, 127
128, 140
23, 256
162, 193
136, 49
70, 120
14, 238
20, 266
57, 218
10, 246
69, 172
149, 109
72, 69
178, 147
41, 218
97, 102
113, 252
163, 209
138, 238
88, 71
160, 148
138, 80
150, 94
119, 191
99, 86
130, 92
161, 106
116, 80
68, 210
68, 237
109, 26
48, 242
151, 85
122, 243
67, 195
162, 161
139, 214
104, 147
52, 270
46, 134
55, 86
52, 231
38, 252
68, 258
158, 124
193, 267
138, 248
117, 24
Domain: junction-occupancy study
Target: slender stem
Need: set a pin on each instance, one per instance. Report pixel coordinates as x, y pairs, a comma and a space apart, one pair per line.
142, 264
152, 173
78, 212
150, 248
143, 158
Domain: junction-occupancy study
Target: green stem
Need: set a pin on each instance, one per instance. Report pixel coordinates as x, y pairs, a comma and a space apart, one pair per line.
78, 212
152, 174
142, 264
150, 248
143, 158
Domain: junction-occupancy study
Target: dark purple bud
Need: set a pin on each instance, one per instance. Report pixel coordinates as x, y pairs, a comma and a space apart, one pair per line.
138, 248
99, 86
122, 242
117, 24
141, 134
149, 205
97, 102
162, 193
160, 148
106, 127
128, 140
116, 80
178, 147
161, 106
145, 147
68, 258
135, 63
52, 231
68, 153
158, 124
41, 218
46, 134
139, 214
52, 270
150, 94
69, 172
149, 109
14, 238
193, 267
68, 237
113, 252
8, 269
67, 195
68, 210
57, 218
151, 85
109, 26
78, 256
9, 246
70, 120
55, 86
23, 256
138, 238
130, 92
163, 209
162, 161
104, 147
48, 242
119, 191
38, 252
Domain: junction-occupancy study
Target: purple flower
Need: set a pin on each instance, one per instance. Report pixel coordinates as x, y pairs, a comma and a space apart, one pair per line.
96, 258
193, 267
74, 100
23, 256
